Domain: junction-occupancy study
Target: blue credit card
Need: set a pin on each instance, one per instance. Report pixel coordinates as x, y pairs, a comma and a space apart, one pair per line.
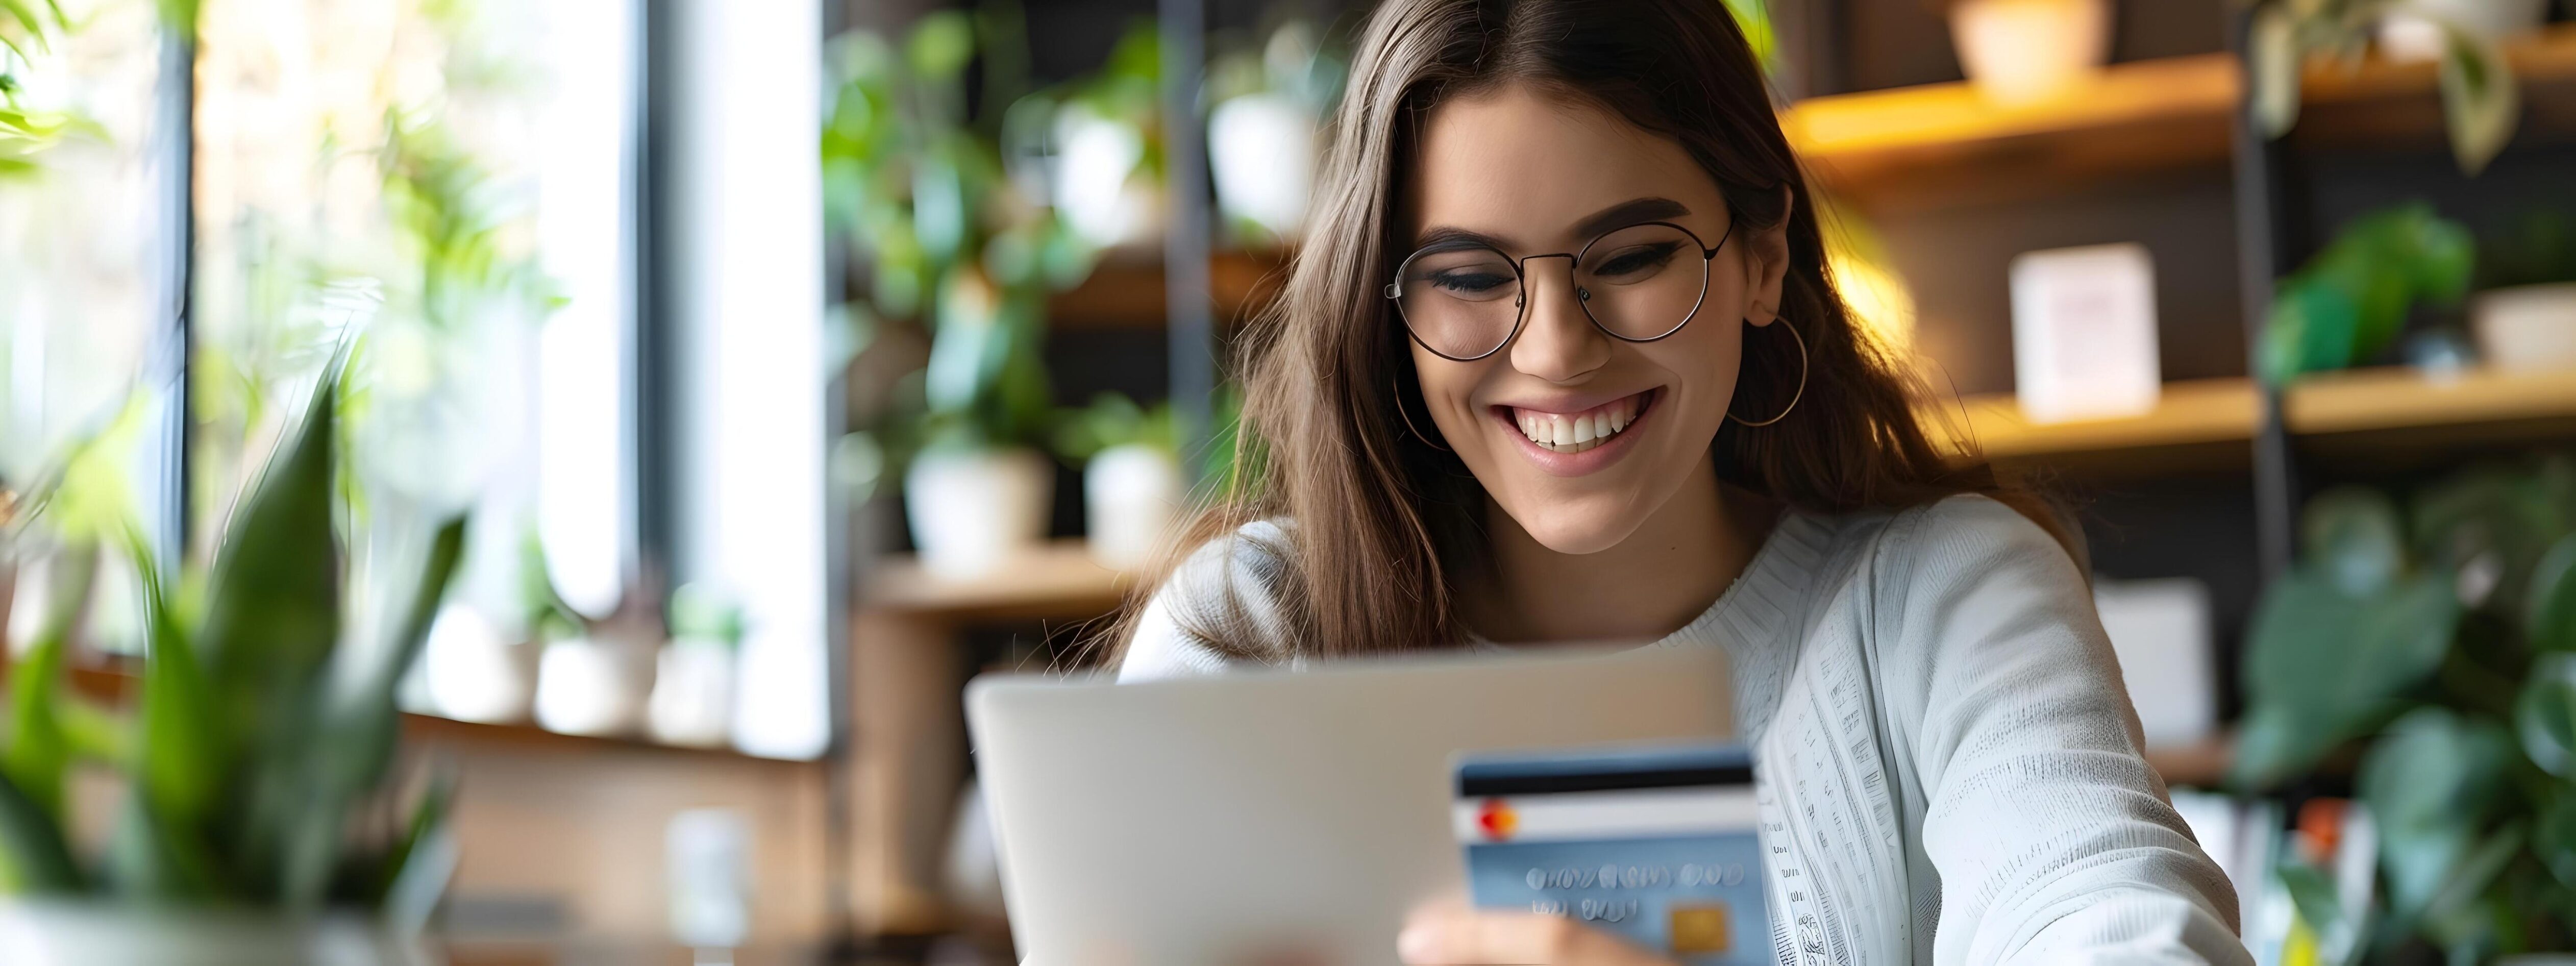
1655, 845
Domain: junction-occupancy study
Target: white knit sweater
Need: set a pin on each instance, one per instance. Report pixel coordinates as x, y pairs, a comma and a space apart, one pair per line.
1949, 766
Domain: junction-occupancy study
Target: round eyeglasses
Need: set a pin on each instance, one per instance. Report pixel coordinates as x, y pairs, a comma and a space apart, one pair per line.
1465, 301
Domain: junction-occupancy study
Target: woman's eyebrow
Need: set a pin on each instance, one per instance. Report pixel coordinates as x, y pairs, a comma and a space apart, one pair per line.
1621, 215
1628, 213
1444, 238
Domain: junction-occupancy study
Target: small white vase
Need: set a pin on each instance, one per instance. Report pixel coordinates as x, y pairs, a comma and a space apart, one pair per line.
2413, 30
90, 934
693, 694
1131, 495
972, 510
474, 672
2023, 51
1261, 154
2526, 328
594, 686
1098, 189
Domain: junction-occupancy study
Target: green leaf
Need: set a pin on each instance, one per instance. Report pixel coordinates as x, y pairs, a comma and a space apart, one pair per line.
273, 606
2552, 599
2545, 714
940, 47
2354, 534
183, 746
357, 745
2491, 525
2323, 666
2554, 835
2480, 102
34, 858
417, 871
38, 755
2429, 782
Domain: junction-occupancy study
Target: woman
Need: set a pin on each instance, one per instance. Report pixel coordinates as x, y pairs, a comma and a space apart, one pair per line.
1560, 361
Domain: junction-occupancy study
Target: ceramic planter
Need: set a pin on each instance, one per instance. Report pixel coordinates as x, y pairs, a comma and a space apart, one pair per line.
2413, 29
1131, 495
693, 694
594, 685
2527, 327
973, 510
1261, 154
476, 673
90, 934
2022, 51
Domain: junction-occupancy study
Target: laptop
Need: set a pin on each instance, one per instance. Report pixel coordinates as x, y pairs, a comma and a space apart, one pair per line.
1272, 816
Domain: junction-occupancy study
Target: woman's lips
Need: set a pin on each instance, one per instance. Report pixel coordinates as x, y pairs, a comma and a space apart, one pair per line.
1576, 443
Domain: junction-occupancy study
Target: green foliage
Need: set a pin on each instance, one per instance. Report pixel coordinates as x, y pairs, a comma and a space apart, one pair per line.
2481, 104
1113, 420
2439, 636
914, 181
2349, 302
452, 217
261, 731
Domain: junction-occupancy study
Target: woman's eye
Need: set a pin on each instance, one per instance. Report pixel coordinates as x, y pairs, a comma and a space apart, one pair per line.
1469, 282
1630, 263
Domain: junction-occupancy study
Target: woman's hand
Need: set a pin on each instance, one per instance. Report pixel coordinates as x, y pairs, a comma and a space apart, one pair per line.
1452, 936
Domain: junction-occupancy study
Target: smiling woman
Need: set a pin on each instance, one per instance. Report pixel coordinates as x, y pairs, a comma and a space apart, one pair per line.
1509, 393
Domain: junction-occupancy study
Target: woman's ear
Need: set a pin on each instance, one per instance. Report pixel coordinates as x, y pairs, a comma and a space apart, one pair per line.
1766, 265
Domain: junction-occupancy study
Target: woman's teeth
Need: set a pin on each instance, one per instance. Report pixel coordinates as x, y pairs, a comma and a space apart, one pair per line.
1576, 432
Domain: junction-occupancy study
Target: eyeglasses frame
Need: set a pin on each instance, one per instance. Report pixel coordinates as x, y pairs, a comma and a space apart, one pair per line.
1394, 290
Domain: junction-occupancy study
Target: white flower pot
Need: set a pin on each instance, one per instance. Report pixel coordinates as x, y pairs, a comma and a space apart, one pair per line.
90, 934
972, 510
2022, 51
2527, 327
1131, 495
474, 672
1097, 188
594, 686
693, 694
2413, 31
1261, 152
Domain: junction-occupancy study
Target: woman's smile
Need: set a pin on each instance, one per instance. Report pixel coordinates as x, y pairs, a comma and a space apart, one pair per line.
1573, 437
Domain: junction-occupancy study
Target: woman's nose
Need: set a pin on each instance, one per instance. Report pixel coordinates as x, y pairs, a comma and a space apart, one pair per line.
1558, 342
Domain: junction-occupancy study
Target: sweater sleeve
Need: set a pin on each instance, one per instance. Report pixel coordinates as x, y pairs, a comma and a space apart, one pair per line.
1231, 581
2053, 840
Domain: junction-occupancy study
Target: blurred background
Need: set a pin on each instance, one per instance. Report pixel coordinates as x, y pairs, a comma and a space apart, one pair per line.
783, 365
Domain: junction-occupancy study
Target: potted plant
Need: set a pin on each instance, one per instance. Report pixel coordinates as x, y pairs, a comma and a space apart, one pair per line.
2023, 51
2524, 316
920, 188
1103, 141
693, 693
2351, 300
260, 794
1132, 487
1263, 136
2441, 635
2481, 105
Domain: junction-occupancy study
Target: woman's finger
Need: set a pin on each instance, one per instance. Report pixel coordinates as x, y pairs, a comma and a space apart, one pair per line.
1450, 937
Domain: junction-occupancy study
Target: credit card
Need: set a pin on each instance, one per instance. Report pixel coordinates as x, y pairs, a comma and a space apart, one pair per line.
1655, 845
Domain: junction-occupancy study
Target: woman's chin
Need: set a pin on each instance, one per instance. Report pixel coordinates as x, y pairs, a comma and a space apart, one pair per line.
1569, 526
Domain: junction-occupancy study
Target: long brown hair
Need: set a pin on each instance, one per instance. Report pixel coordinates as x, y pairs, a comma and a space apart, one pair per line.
1384, 523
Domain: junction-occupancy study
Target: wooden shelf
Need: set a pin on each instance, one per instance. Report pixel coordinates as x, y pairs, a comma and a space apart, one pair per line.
114, 683
1125, 293
2392, 411
2189, 417
2365, 400
1946, 143
1940, 144
2202, 765
1056, 581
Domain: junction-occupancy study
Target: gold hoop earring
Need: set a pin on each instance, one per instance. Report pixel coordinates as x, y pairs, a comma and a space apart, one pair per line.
1802, 381
1396, 391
